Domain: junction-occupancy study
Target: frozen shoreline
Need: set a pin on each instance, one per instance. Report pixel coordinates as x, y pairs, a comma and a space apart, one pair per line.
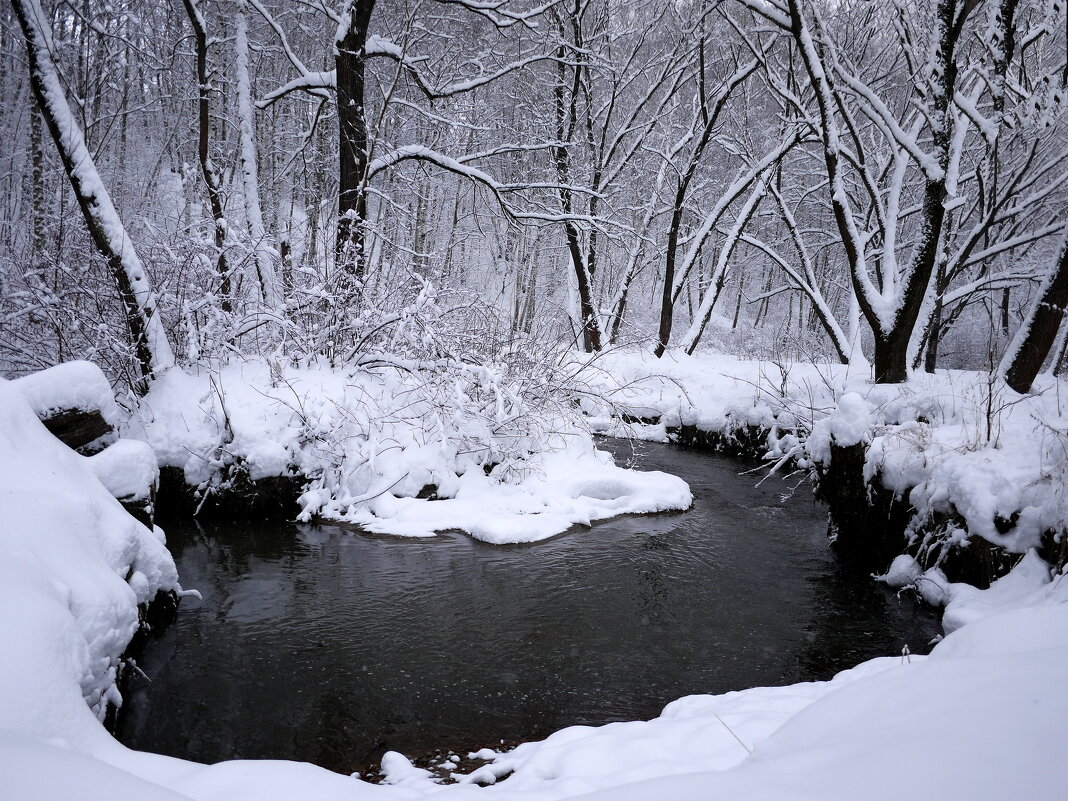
966, 452
68, 545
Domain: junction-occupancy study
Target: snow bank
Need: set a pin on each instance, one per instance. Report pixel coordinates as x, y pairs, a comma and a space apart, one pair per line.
957, 444
127, 468
73, 568
1028, 584
372, 441
984, 717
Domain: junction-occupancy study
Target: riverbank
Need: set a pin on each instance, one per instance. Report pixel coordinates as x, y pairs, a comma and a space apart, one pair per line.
984, 717
954, 467
400, 449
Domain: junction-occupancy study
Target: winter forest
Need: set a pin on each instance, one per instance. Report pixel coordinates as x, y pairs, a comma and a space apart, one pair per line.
769, 292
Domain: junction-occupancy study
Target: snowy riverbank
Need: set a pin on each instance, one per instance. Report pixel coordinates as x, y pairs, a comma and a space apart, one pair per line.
970, 455
398, 451
983, 717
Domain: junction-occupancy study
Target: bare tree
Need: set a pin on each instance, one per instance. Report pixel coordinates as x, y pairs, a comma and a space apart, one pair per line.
152, 349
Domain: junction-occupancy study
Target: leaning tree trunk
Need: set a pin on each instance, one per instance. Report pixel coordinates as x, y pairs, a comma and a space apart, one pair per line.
152, 349
349, 61
1037, 333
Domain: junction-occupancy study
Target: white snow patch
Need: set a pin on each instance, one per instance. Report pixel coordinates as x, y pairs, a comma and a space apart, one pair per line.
127, 469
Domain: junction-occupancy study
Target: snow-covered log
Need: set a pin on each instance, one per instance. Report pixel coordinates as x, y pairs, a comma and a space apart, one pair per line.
77, 405
74, 400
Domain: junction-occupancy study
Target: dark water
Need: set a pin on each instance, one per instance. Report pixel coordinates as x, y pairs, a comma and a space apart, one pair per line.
317, 644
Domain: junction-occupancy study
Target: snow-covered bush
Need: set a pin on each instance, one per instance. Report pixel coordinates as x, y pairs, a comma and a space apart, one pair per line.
434, 401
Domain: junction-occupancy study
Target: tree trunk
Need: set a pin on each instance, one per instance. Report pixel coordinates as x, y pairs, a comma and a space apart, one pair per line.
566, 117
153, 351
207, 167
891, 356
38, 191
249, 171
1038, 331
353, 143
934, 332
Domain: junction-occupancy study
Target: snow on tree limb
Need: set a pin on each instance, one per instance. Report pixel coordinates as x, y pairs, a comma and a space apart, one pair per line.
109, 234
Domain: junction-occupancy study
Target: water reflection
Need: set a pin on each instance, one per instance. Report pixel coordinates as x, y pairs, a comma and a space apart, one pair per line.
317, 644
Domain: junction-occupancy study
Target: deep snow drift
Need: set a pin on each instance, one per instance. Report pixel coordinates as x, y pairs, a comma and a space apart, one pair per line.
73, 568
984, 717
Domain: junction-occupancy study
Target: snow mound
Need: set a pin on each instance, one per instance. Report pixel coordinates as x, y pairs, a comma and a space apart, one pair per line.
127, 468
386, 450
75, 566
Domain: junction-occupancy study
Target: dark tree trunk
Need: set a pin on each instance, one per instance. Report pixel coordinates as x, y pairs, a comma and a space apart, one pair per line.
710, 115
38, 192
934, 331
566, 118
207, 168
891, 357
1039, 328
891, 346
352, 146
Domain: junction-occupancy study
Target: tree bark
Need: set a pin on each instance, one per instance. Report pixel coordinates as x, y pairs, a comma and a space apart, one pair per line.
349, 61
152, 350
265, 271
1037, 333
207, 167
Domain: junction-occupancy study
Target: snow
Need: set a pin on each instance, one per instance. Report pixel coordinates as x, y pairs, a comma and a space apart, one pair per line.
955, 443
370, 442
1027, 584
75, 566
127, 469
984, 717
849, 424
71, 385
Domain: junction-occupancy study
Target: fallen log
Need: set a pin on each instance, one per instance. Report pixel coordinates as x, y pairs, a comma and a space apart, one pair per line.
74, 401
76, 428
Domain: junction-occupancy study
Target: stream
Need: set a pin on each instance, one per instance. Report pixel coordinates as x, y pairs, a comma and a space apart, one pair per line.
319, 644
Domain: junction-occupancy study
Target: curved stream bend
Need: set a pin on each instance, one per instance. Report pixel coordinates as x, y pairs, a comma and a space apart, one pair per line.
316, 644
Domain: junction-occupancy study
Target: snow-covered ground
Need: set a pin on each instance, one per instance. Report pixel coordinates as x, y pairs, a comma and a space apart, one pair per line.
501, 469
984, 717
958, 444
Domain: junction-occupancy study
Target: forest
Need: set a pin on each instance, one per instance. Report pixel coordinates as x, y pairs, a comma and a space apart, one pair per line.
863, 181
738, 323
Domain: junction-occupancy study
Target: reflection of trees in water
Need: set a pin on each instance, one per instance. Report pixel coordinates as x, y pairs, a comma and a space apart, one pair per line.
321, 643
856, 618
